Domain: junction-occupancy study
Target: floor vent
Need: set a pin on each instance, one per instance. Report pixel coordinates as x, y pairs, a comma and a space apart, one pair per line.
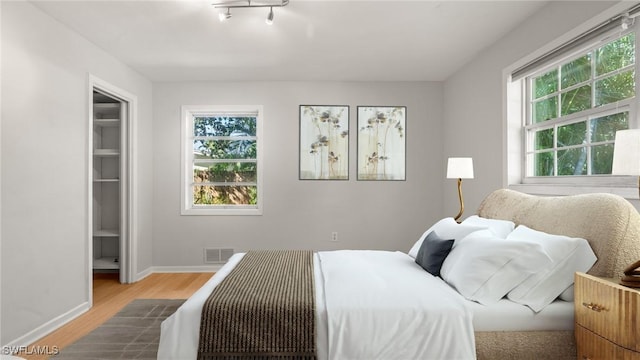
217, 256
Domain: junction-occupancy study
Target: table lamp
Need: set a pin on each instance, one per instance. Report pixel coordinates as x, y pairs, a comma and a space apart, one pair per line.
460, 168
626, 161
626, 154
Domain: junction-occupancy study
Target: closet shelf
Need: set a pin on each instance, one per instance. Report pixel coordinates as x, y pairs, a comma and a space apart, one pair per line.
106, 152
106, 180
106, 263
106, 233
106, 105
115, 122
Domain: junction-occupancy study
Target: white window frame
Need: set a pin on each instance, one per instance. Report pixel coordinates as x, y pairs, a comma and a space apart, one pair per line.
187, 137
582, 116
515, 112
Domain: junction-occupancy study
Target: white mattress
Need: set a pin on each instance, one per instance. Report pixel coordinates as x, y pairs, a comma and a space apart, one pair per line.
509, 316
179, 337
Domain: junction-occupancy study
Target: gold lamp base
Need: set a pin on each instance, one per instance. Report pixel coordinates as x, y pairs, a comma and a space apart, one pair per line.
461, 201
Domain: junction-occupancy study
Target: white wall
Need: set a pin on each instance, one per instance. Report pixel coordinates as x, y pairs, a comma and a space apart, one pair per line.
301, 214
44, 174
473, 98
44, 167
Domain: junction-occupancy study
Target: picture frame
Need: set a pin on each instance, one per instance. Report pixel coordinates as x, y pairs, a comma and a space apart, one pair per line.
324, 142
382, 143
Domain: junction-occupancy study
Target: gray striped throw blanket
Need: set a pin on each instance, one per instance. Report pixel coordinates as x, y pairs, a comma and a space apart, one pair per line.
264, 309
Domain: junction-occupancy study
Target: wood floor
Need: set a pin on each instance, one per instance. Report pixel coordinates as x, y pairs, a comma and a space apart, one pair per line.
109, 297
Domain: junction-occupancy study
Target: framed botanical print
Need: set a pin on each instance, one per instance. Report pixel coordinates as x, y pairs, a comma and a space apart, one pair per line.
382, 142
324, 142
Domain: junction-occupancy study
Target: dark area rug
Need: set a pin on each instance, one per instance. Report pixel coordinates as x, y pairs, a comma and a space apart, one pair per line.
133, 333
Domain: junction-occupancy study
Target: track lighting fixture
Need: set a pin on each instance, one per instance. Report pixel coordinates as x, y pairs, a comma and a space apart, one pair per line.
236, 4
224, 16
269, 20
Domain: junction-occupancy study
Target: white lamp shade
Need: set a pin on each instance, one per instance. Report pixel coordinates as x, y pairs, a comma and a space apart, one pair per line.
626, 153
460, 168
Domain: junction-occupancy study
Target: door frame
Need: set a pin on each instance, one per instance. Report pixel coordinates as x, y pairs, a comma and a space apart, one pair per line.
128, 242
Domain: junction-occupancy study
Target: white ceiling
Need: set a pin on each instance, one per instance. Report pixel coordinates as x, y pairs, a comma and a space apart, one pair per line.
309, 40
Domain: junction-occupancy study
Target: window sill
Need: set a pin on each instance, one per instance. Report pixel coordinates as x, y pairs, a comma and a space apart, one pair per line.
222, 212
627, 192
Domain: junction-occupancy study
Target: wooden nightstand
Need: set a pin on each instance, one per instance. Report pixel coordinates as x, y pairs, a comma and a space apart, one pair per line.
607, 319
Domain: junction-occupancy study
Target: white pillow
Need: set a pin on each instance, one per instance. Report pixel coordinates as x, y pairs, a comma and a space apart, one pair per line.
484, 268
568, 255
500, 228
446, 228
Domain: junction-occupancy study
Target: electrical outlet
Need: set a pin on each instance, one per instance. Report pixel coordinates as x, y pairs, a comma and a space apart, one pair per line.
334, 236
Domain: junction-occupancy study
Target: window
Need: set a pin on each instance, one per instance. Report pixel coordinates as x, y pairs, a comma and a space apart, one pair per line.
575, 106
222, 167
564, 104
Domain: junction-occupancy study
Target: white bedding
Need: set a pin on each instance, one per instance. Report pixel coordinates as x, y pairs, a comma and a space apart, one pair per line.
351, 285
382, 305
506, 315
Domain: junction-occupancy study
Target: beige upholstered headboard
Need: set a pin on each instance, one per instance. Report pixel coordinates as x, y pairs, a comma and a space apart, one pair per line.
609, 222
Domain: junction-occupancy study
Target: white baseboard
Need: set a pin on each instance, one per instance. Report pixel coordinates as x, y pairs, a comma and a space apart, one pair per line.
176, 269
185, 269
143, 274
48, 327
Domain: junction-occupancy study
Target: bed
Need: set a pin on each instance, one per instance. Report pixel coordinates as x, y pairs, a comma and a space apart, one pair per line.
349, 286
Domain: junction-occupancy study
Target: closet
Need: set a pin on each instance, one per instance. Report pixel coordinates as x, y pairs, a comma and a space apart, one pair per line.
109, 190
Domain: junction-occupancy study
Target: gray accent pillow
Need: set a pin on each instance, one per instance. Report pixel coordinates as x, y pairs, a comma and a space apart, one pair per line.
432, 253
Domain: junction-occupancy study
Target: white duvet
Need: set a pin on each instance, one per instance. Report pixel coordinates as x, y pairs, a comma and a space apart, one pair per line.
369, 305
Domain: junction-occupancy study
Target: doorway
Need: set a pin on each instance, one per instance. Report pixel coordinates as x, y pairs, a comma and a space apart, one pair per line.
111, 241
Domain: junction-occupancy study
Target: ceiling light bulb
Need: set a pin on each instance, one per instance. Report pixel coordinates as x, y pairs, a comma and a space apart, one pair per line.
224, 16
269, 20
